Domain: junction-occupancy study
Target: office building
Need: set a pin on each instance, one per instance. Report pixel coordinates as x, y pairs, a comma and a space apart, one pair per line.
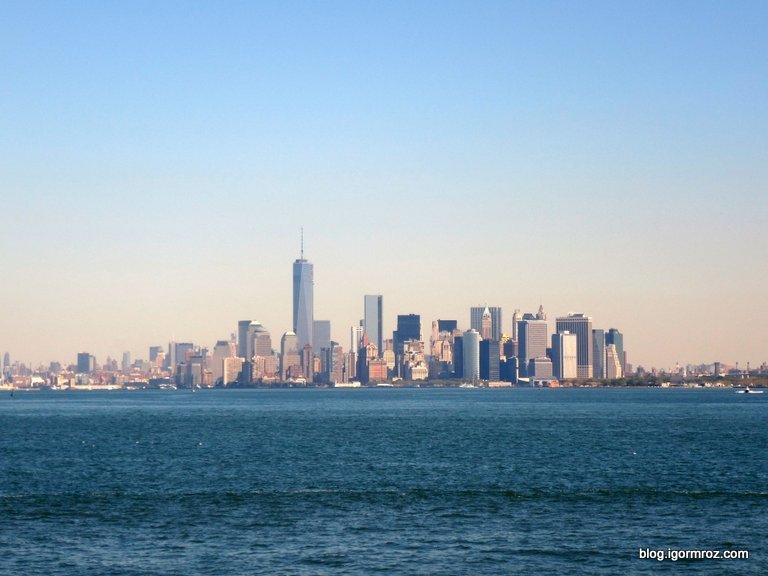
355, 338
446, 326
539, 368
408, 328
458, 356
83, 363
372, 319
581, 325
598, 353
532, 339
321, 335
232, 368
471, 355
290, 357
489, 360
333, 363
565, 356
303, 306
476, 314
154, 351
221, 351
613, 369
616, 338
516, 317
243, 339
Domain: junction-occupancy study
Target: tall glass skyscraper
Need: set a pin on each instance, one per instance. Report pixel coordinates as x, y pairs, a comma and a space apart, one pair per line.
613, 336
471, 352
303, 311
581, 325
372, 321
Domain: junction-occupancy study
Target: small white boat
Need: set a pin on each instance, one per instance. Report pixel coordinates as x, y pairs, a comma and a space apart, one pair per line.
748, 391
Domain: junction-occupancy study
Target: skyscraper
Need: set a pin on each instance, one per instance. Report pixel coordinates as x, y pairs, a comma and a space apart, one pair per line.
565, 355
489, 360
242, 339
83, 363
221, 351
290, 358
471, 353
612, 363
613, 336
321, 335
246, 332
516, 317
372, 320
598, 353
476, 320
532, 342
154, 351
408, 328
355, 337
581, 325
303, 288
486, 324
458, 356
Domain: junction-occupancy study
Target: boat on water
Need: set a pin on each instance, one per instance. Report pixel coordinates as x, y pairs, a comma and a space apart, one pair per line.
748, 390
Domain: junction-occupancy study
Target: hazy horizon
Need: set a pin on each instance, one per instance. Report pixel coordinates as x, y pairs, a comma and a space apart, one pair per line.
158, 161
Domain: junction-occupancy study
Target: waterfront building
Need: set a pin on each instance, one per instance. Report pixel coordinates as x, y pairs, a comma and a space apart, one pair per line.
532, 343
539, 368
232, 368
408, 328
458, 356
222, 350
194, 371
83, 363
290, 358
613, 336
565, 355
581, 326
471, 355
333, 363
509, 369
125, 365
489, 360
307, 363
612, 363
598, 353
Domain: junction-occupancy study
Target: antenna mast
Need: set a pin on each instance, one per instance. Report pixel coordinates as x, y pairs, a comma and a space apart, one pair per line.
302, 242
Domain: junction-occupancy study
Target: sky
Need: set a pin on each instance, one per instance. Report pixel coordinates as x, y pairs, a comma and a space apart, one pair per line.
158, 159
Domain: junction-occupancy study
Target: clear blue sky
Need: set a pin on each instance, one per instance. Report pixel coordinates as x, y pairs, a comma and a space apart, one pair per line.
158, 158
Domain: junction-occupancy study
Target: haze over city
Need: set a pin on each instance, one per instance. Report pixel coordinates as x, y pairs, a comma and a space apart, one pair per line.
159, 160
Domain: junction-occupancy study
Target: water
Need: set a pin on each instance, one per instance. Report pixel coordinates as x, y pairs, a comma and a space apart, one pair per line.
387, 481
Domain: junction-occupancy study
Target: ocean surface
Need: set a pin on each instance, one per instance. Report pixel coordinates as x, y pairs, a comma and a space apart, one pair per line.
388, 481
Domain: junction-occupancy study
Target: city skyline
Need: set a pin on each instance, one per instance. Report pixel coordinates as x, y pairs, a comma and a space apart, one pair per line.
605, 159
